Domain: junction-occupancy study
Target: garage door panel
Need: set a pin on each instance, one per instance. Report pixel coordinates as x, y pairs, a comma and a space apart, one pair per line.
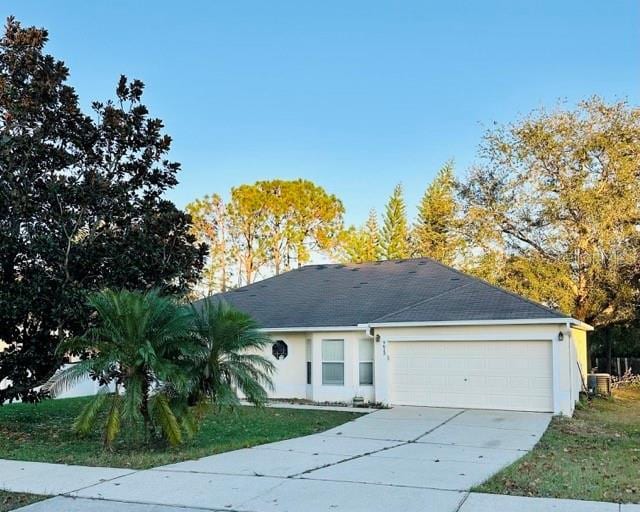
496, 383
418, 363
497, 365
476, 365
433, 363
474, 374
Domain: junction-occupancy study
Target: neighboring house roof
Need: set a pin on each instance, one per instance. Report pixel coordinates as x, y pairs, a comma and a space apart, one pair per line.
396, 291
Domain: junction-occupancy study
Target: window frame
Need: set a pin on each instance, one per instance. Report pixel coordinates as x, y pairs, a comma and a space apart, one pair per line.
333, 362
366, 361
308, 361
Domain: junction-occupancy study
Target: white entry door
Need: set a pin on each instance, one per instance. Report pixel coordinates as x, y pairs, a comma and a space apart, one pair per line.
510, 375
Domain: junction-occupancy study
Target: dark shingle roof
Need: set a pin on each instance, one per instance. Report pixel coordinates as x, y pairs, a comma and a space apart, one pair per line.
415, 290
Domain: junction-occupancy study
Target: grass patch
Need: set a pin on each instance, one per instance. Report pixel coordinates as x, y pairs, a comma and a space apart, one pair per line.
42, 432
593, 456
14, 500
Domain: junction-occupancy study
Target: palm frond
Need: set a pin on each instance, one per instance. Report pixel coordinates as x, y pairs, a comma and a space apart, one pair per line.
233, 342
132, 400
112, 425
68, 377
189, 422
87, 417
163, 415
226, 396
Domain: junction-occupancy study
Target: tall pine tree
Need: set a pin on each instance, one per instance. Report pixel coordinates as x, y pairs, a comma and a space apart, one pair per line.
362, 244
371, 237
435, 232
395, 230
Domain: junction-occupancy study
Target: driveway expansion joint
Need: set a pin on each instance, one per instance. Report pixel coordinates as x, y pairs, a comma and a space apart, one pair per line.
153, 504
400, 443
496, 448
267, 491
380, 484
103, 481
438, 426
462, 501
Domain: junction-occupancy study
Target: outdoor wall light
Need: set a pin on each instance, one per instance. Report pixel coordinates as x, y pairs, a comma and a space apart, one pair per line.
560, 336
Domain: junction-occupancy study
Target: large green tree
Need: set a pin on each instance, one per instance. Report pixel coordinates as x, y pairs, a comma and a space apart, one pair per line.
81, 207
436, 232
298, 217
269, 226
246, 215
556, 199
395, 229
317, 220
210, 226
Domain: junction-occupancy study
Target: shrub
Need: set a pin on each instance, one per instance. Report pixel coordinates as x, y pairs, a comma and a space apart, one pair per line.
138, 350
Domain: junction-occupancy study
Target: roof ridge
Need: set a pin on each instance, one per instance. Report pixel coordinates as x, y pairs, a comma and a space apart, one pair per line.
366, 263
252, 283
410, 306
357, 263
499, 288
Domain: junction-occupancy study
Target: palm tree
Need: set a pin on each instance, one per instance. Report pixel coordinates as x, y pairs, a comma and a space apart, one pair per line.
138, 347
230, 362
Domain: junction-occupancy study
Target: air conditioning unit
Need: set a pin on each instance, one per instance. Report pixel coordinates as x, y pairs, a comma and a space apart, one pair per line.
599, 384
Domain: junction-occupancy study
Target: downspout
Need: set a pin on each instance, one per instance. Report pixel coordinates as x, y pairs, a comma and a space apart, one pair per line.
569, 343
378, 365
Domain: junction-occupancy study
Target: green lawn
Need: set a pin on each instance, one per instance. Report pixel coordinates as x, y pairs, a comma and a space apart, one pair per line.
42, 432
593, 456
14, 500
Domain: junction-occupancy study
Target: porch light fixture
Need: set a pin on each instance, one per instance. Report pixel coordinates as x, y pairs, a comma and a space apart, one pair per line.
560, 336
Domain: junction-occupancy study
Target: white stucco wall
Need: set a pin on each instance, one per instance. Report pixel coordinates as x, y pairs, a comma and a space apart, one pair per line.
351, 387
290, 379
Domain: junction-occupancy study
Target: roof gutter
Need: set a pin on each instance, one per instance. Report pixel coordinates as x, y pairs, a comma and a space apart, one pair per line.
367, 326
315, 329
521, 321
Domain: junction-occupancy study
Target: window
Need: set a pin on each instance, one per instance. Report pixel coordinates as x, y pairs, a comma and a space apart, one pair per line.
365, 350
280, 350
333, 362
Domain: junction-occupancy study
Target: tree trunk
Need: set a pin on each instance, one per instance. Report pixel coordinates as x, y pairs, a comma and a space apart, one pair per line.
144, 406
609, 345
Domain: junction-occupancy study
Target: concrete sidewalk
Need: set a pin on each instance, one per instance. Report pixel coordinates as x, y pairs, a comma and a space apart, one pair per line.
472, 502
52, 479
415, 458
476, 502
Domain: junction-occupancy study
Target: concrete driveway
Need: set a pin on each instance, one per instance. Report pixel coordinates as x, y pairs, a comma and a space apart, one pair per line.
416, 458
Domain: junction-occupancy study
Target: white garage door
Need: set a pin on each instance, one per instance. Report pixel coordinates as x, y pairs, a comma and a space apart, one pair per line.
514, 375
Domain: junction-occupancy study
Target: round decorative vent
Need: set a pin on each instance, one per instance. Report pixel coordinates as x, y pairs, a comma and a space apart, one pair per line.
280, 349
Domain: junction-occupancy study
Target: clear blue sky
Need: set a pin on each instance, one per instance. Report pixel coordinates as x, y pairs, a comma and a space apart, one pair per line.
354, 95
